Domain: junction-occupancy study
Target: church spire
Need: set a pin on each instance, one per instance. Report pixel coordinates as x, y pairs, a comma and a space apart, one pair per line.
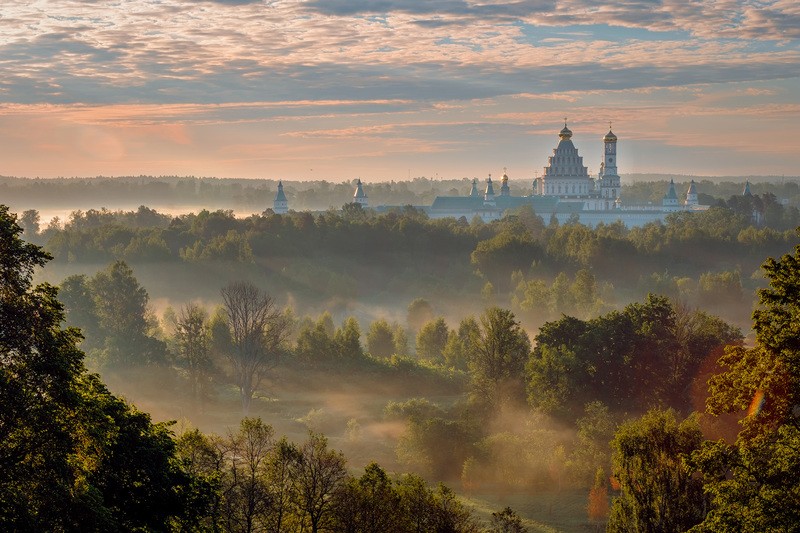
359, 196
488, 195
281, 205
474, 191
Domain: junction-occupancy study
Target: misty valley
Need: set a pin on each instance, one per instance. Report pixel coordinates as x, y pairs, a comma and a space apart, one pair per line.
172, 367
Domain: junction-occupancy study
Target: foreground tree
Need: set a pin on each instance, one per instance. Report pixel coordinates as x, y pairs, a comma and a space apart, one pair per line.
659, 491
317, 476
72, 456
258, 331
754, 483
369, 504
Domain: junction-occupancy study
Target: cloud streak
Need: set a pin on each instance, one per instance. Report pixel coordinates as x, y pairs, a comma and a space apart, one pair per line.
330, 72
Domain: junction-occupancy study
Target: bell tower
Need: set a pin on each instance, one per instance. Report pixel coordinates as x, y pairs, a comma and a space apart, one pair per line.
609, 179
610, 152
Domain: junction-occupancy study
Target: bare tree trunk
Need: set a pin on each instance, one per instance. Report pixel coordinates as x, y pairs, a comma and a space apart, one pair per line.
258, 330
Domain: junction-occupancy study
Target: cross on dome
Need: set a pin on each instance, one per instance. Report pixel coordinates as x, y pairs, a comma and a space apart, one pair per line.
566, 133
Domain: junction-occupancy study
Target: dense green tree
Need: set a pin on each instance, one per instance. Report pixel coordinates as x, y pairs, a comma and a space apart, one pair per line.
369, 504
592, 449
380, 339
29, 222
79, 308
512, 249
325, 321
753, 483
459, 349
348, 340
39, 366
499, 353
642, 356
400, 338
659, 491
73, 456
431, 340
121, 308
314, 345
193, 336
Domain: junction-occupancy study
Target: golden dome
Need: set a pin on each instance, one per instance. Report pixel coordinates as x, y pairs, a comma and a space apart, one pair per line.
566, 133
610, 137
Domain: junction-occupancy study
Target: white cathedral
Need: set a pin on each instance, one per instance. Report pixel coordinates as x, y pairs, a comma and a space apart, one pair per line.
565, 191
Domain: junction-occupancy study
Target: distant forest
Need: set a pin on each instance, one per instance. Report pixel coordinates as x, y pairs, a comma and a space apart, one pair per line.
255, 195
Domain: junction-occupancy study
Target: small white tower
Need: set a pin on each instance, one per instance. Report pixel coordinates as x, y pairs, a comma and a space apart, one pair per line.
474, 192
746, 191
281, 205
691, 195
671, 198
488, 195
359, 196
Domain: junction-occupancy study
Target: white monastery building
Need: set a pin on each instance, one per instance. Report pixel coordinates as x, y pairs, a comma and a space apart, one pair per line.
565, 190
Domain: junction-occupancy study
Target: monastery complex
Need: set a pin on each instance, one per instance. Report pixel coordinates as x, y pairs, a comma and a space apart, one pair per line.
565, 191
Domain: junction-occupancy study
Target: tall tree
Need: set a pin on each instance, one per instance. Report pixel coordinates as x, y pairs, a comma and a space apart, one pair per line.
247, 504
258, 330
432, 339
753, 483
318, 475
29, 221
193, 334
348, 340
72, 456
79, 307
369, 504
659, 489
121, 307
380, 339
38, 368
500, 352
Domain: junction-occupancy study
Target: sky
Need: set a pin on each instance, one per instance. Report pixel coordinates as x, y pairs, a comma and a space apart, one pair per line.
396, 89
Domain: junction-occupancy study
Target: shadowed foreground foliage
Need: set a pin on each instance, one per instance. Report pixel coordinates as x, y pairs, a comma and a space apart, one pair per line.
76, 458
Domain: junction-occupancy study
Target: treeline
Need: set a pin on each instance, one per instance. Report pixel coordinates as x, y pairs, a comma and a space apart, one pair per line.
246, 194
539, 268
315, 195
